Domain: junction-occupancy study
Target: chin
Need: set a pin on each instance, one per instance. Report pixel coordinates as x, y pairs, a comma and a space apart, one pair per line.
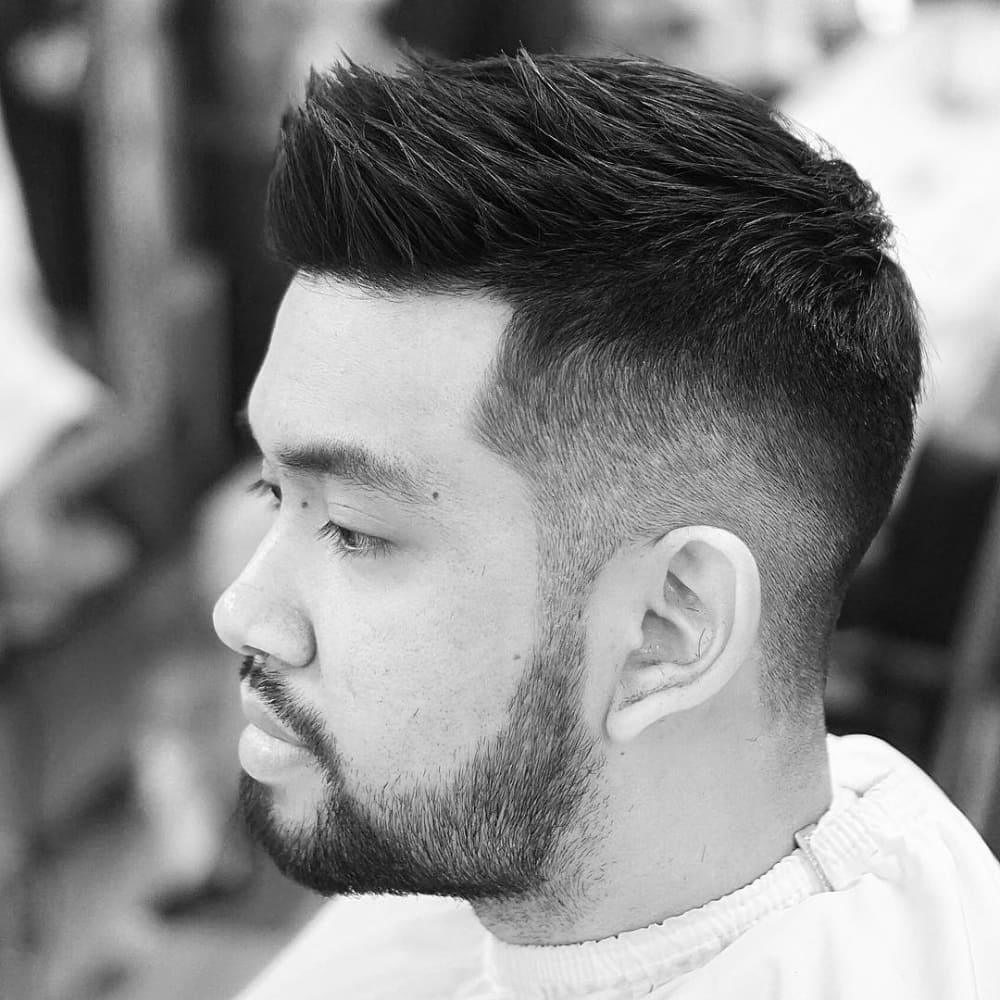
291, 804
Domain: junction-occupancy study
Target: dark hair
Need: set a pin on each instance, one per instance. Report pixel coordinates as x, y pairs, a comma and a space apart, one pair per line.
707, 327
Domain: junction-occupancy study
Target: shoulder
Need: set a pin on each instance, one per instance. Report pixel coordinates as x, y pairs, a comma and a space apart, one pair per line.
914, 913
896, 799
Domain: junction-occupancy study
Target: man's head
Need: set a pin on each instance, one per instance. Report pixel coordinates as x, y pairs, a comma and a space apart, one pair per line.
641, 378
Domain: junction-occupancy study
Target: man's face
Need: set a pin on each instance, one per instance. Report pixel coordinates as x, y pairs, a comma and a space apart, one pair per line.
418, 698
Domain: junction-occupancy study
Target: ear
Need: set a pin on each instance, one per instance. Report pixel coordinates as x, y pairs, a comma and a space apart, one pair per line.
701, 617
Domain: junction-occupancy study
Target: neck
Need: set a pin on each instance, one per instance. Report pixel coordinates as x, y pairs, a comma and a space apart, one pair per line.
687, 821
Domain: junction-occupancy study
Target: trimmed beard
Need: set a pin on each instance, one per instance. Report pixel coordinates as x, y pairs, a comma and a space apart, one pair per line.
497, 828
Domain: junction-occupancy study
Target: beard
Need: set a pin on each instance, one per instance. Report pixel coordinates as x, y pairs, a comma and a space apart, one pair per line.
496, 828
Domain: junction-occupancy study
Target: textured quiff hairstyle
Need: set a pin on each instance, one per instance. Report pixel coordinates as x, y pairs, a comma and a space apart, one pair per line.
707, 327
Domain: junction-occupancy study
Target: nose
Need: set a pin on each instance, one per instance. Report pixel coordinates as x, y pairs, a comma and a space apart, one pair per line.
258, 613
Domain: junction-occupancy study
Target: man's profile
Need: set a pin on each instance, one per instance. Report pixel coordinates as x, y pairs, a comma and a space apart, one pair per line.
592, 387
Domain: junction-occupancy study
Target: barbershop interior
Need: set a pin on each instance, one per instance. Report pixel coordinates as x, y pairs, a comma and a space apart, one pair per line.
137, 295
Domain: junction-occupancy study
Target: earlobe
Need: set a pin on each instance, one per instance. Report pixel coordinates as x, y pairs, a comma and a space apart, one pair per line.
700, 626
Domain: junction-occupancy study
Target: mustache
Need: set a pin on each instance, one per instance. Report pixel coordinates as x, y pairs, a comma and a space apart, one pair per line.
270, 687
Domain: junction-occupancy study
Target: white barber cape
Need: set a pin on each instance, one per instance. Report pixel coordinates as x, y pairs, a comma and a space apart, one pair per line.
892, 896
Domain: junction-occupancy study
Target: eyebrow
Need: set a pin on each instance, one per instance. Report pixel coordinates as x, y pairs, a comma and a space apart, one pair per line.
352, 463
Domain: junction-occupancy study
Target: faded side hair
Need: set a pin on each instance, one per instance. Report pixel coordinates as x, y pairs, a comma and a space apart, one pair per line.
708, 325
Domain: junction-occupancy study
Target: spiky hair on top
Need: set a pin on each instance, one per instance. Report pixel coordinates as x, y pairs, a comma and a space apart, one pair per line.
700, 297
469, 171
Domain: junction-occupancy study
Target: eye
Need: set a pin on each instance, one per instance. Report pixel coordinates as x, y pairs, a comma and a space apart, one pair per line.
262, 488
345, 541
352, 543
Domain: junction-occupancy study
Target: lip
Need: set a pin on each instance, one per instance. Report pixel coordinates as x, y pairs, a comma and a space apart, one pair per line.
268, 752
258, 715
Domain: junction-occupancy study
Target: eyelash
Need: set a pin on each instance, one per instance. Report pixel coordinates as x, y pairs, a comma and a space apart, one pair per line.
334, 533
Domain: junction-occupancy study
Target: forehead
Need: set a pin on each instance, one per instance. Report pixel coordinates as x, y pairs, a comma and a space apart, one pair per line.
397, 374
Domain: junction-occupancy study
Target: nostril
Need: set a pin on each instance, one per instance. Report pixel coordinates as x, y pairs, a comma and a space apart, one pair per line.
250, 663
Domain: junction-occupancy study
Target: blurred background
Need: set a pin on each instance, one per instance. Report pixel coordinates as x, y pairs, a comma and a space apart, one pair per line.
136, 299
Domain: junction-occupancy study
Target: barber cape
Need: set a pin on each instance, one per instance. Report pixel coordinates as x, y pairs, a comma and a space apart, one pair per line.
891, 896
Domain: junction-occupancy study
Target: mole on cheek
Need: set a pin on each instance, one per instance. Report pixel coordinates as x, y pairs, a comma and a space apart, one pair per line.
435, 495
305, 504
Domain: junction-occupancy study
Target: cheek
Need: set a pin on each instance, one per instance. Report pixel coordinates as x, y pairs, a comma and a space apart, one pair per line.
415, 673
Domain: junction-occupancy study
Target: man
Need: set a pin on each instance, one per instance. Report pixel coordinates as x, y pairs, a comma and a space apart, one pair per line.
592, 387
